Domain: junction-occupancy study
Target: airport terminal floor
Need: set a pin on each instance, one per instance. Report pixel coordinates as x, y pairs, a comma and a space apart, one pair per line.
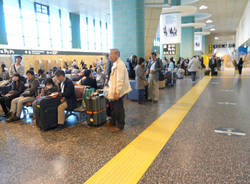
179, 140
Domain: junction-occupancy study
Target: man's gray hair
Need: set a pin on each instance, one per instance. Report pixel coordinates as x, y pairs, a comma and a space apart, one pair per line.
117, 52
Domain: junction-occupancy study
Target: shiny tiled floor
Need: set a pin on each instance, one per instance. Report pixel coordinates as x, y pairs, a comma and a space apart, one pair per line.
194, 154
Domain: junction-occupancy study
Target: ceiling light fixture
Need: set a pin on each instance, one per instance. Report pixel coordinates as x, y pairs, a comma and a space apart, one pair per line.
209, 21
213, 29
216, 38
203, 7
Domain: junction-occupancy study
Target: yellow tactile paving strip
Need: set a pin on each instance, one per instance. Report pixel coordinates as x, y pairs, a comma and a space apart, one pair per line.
232, 77
130, 164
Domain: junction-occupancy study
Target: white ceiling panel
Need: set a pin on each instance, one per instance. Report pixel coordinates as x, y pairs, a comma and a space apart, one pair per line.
225, 13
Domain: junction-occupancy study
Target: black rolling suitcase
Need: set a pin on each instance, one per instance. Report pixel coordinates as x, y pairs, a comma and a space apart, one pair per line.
96, 110
46, 113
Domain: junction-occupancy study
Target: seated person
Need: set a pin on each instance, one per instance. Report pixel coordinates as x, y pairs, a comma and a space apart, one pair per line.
29, 95
100, 78
16, 90
50, 87
88, 80
67, 91
41, 75
4, 75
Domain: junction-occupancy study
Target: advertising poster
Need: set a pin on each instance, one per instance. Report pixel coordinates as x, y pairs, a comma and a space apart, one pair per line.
170, 28
198, 42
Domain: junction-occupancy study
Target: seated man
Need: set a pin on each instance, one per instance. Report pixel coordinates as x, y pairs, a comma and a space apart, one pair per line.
50, 87
29, 95
67, 91
88, 80
16, 90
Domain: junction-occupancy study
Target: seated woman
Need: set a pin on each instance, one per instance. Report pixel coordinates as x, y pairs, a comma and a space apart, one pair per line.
50, 87
16, 90
88, 80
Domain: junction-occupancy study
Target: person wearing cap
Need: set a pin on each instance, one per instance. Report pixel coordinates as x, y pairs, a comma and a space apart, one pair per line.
29, 95
17, 67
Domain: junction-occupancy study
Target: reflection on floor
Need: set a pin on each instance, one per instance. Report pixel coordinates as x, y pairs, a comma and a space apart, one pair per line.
194, 154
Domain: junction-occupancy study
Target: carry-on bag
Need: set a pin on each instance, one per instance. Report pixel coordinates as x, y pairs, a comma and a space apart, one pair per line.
96, 110
46, 112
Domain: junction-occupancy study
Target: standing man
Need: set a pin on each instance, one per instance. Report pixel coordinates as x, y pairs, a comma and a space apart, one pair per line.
17, 68
154, 68
119, 86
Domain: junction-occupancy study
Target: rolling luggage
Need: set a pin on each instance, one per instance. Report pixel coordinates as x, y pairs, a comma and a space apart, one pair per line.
46, 112
96, 110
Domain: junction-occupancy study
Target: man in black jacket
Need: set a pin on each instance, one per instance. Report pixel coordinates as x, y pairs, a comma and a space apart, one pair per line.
67, 91
16, 91
29, 95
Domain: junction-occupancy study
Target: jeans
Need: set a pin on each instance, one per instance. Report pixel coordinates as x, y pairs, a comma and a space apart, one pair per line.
193, 74
5, 103
141, 98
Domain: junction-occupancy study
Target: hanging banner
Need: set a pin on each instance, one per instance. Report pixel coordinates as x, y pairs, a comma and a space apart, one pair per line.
170, 28
198, 42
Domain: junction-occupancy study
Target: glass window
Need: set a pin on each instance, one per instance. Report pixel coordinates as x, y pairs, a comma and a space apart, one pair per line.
66, 29
98, 34
91, 34
104, 36
55, 28
84, 35
109, 45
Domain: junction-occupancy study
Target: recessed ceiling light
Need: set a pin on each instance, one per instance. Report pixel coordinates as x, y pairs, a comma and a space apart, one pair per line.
209, 21
213, 29
203, 7
216, 38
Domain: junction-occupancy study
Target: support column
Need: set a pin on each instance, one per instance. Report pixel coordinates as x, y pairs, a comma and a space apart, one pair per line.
187, 38
3, 34
127, 19
75, 30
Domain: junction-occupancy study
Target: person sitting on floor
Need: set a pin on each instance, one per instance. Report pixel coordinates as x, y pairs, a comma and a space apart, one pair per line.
16, 90
29, 95
89, 81
50, 87
67, 91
